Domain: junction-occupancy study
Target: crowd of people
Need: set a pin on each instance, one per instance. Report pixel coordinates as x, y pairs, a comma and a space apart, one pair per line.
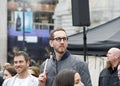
61, 69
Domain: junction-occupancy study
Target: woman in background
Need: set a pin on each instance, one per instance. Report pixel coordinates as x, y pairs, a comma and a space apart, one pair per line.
9, 72
68, 77
34, 70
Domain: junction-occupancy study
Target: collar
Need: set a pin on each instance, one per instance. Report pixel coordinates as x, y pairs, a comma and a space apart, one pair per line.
66, 55
112, 70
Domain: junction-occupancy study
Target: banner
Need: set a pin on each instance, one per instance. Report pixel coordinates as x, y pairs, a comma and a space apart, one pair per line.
23, 18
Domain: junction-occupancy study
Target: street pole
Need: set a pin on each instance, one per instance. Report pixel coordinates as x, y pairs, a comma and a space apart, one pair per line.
85, 43
24, 30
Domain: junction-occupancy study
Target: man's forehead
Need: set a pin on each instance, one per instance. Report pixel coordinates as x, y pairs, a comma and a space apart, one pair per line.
19, 57
111, 51
59, 33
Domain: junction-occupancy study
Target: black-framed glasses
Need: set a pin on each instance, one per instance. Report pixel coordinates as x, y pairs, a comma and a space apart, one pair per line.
59, 39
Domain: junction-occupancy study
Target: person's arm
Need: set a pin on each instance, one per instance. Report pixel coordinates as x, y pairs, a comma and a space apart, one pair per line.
42, 79
43, 75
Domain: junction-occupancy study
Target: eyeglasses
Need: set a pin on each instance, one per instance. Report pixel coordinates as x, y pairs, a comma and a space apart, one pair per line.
59, 39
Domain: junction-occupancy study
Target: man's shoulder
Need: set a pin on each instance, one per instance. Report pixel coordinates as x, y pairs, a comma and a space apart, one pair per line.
33, 81
104, 72
11, 78
33, 77
8, 81
77, 59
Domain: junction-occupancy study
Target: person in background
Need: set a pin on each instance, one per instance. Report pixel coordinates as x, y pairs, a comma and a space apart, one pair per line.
62, 59
1, 80
108, 76
35, 71
9, 72
11, 53
68, 77
23, 77
1, 71
6, 65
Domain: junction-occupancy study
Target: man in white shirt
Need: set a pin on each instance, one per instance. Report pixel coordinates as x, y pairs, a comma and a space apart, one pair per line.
23, 78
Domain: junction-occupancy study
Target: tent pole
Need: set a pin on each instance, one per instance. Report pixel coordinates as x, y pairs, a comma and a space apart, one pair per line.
84, 42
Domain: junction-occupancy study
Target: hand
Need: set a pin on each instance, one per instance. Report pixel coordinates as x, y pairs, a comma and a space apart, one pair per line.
43, 78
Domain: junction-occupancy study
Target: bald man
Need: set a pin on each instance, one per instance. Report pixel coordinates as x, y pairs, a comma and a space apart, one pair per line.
108, 76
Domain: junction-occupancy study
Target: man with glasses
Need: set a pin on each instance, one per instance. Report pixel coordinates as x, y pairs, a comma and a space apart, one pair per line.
61, 59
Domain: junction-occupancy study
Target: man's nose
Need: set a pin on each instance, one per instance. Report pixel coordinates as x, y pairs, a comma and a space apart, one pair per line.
62, 40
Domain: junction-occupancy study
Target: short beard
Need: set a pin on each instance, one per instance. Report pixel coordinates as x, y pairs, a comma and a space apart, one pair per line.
60, 52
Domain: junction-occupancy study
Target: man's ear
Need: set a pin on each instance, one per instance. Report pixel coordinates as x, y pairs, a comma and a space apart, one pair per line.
50, 43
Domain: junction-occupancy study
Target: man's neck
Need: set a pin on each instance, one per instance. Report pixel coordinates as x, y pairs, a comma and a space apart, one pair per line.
23, 75
58, 56
114, 64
